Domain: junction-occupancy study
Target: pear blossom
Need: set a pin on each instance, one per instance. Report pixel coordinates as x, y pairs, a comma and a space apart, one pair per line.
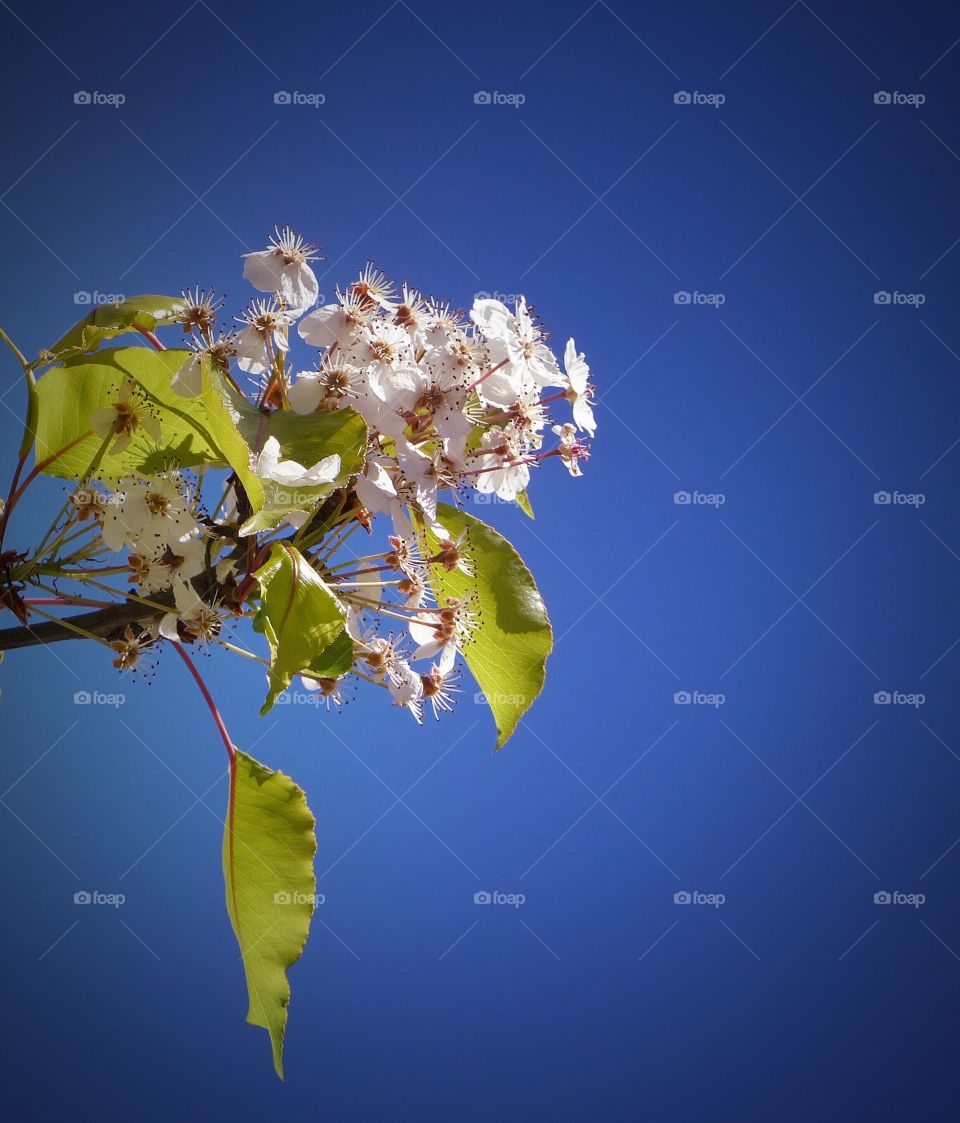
292, 474
579, 391
284, 268
264, 331
123, 417
501, 465
570, 450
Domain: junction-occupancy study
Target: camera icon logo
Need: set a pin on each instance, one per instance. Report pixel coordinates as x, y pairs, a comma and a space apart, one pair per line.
682, 698
681, 498
482, 898
82, 97
882, 97
482, 97
282, 97
82, 698
82, 897
682, 897
882, 498
882, 298
282, 898
681, 297
882, 698
882, 898
82, 297
681, 97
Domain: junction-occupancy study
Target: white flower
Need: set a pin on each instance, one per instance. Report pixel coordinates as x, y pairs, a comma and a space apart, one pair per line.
501, 466
442, 632
264, 332
123, 417
375, 488
329, 387
406, 689
334, 324
199, 621
373, 287
493, 318
292, 474
386, 345
570, 450
438, 688
579, 391
284, 268
188, 381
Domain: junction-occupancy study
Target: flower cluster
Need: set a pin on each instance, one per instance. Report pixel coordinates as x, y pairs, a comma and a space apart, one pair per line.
452, 402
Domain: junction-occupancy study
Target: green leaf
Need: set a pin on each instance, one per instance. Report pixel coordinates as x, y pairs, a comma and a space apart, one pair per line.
307, 440
69, 394
219, 401
523, 502
104, 321
268, 848
298, 614
334, 661
508, 651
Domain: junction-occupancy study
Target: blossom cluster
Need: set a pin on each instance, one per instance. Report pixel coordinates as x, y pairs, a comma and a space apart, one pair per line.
452, 401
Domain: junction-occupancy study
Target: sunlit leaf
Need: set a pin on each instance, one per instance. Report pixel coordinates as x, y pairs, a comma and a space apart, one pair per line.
268, 848
508, 652
104, 321
298, 614
69, 394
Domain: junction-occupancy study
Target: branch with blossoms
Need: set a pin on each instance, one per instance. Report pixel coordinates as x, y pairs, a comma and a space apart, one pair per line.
219, 478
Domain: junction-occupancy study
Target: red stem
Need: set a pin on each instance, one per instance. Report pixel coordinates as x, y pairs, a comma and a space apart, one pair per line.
40, 465
11, 497
151, 336
211, 705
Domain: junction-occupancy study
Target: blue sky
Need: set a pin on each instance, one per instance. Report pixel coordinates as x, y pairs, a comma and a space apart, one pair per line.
747, 216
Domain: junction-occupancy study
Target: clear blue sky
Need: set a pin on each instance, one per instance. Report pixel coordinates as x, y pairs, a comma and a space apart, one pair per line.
783, 388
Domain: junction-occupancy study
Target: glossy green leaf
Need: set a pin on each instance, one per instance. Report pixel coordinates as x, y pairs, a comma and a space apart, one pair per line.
508, 651
69, 394
334, 661
268, 848
219, 402
298, 614
104, 321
